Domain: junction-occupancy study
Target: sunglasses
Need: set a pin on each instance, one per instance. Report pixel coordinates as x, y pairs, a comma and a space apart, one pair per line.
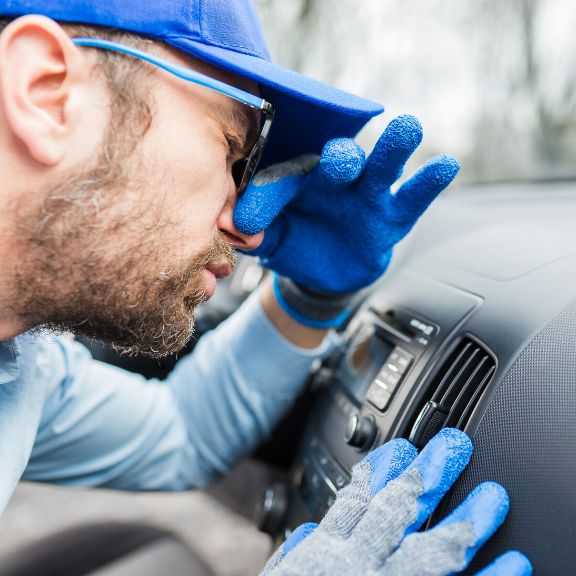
242, 170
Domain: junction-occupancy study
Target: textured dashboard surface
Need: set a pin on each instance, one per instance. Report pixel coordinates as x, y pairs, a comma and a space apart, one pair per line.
526, 439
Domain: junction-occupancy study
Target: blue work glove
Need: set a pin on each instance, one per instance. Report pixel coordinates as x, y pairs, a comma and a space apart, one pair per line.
372, 528
331, 223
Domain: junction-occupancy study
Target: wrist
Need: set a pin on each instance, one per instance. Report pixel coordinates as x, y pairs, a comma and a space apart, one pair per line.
295, 332
310, 307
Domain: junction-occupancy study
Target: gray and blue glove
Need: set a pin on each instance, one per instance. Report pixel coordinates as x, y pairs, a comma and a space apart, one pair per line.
331, 222
372, 527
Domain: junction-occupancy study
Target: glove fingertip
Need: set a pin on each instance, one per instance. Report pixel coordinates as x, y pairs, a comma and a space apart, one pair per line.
252, 214
446, 167
389, 461
512, 563
440, 463
406, 131
485, 509
417, 193
402, 135
247, 223
456, 437
392, 150
342, 161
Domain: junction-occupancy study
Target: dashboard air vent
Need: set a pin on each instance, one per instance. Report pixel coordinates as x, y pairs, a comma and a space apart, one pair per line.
455, 390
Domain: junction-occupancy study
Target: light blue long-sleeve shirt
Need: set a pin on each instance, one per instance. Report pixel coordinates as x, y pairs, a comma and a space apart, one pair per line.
69, 419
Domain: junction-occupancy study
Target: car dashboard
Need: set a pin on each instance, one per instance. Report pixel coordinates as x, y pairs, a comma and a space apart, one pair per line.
473, 326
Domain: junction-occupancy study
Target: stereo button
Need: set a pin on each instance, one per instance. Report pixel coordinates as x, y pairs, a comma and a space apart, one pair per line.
388, 379
379, 396
400, 360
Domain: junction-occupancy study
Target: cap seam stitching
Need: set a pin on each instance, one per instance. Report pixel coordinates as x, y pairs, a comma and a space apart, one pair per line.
241, 50
204, 31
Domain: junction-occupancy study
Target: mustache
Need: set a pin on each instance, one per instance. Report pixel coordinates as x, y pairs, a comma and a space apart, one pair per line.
218, 250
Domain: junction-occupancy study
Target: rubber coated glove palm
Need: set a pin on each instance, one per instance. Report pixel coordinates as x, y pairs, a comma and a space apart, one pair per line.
372, 527
331, 223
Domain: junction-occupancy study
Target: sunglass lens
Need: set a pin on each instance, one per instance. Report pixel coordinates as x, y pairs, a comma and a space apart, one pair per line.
238, 170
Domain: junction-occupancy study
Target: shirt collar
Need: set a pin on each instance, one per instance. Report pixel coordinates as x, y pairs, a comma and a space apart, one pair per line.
9, 352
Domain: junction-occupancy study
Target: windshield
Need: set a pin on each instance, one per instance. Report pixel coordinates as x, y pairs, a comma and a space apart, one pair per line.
492, 82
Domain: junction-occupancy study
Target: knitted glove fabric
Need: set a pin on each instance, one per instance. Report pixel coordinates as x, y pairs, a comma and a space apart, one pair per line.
372, 528
331, 223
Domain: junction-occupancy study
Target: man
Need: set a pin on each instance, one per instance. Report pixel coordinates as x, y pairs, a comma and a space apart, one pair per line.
130, 133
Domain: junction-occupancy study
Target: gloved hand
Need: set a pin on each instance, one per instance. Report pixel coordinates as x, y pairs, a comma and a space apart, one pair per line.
372, 527
331, 224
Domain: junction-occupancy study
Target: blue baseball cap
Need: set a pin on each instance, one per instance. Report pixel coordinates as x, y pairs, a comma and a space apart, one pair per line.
228, 34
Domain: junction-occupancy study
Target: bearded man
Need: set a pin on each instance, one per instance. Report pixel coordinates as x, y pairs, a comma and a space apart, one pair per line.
130, 133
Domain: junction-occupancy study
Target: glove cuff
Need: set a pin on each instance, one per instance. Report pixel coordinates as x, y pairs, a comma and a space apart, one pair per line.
310, 307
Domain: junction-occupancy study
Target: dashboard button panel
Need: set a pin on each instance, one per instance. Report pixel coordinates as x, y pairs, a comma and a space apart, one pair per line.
389, 378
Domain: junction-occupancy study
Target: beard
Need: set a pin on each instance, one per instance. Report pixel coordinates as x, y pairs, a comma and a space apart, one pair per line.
98, 263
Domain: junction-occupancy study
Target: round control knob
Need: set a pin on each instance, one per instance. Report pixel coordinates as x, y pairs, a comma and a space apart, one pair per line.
361, 431
271, 511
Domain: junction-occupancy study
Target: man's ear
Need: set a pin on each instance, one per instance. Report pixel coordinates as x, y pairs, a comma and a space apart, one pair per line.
40, 70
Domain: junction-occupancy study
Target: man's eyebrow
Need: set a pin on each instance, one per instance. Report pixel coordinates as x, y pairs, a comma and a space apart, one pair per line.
244, 122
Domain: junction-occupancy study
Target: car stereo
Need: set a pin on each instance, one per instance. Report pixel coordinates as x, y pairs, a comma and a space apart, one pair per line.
376, 356
357, 387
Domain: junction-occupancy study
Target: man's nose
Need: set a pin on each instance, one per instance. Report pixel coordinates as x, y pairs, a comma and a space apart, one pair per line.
234, 237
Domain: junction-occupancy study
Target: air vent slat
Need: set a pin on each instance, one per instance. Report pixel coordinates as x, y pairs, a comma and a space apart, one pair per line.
475, 397
447, 378
466, 390
460, 380
454, 390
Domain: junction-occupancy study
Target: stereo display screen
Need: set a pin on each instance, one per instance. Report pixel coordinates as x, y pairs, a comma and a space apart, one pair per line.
366, 355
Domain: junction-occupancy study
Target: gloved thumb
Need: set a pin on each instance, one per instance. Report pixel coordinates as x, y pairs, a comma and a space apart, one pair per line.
269, 192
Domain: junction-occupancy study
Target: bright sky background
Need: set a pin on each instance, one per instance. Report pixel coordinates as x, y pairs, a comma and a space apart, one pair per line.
492, 82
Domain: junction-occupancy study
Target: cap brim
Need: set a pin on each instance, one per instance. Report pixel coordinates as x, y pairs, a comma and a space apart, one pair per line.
308, 112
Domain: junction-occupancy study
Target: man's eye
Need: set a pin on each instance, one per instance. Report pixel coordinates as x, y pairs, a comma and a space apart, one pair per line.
238, 169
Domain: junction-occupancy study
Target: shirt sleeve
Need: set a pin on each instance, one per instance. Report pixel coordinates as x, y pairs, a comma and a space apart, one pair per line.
104, 426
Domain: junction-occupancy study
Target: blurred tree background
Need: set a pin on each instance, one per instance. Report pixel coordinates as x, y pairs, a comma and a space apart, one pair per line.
492, 82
